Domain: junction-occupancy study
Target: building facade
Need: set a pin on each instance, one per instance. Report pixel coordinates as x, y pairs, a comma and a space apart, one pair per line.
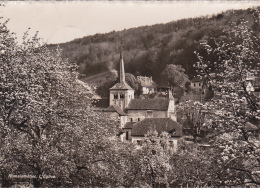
148, 86
139, 116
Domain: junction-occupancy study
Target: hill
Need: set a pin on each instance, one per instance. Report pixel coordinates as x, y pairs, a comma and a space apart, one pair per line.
148, 49
100, 78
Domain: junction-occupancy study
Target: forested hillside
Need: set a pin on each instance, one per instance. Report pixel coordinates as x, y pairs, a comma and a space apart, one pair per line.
148, 49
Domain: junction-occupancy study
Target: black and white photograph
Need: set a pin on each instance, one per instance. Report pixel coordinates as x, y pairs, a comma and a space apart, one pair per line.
149, 94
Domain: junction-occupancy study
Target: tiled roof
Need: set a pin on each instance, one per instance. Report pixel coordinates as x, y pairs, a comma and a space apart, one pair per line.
146, 81
145, 84
163, 86
129, 125
115, 108
121, 85
251, 127
149, 104
157, 124
196, 79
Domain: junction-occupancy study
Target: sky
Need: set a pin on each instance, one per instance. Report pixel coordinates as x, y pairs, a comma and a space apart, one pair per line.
59, 22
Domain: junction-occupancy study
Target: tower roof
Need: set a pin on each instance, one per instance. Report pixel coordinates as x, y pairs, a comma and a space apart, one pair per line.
122, 68
121, 85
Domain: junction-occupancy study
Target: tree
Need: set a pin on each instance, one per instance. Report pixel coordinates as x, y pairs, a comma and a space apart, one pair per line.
193, 166
45, 113
155, 154
133, 82
128, 171
173, 75
103, 90
233, 106
192, 116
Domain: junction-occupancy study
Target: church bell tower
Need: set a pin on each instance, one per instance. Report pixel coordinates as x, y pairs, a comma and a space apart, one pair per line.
121, 93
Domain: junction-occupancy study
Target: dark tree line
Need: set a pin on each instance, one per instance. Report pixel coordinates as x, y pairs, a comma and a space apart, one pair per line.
149, 49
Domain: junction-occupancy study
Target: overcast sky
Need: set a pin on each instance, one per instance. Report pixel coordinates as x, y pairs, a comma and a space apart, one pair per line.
59, 22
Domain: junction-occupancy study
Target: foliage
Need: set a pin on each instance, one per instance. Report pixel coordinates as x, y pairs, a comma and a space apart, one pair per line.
233, 106
45, 115
103, 90
128, 165
192, 116
149, 49
155, 155
174, 76
48, 127
132, 81
193, 166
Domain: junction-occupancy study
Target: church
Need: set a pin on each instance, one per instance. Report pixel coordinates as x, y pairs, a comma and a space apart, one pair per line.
139, 116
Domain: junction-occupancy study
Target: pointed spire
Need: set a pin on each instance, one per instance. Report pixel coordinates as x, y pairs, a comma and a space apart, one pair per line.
122, 68
121, 48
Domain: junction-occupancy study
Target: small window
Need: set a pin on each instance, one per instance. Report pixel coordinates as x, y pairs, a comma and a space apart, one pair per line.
131, 119
194, 85
127, 135
199, 84
139, 142
122, 96
116, 96
171, 143
138, 119
150, 113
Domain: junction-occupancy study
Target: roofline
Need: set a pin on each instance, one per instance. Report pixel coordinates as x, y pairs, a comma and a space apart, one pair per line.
144, 136
115, 112
121, 89
145, 109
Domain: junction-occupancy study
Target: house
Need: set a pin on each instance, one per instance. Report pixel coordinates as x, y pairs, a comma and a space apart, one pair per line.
196, 84
200, 91
148, 86
137, 116
135, 131
163, 90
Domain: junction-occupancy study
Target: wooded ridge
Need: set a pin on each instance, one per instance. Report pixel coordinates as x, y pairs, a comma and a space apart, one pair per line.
148, 49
